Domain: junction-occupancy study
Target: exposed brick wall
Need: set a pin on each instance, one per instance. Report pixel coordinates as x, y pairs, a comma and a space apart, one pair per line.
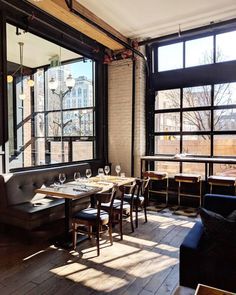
120, 114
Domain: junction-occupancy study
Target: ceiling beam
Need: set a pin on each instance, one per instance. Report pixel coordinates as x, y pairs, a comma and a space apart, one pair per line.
60, 10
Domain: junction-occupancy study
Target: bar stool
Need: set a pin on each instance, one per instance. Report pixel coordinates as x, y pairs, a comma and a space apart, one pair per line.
222, 181
189, 178
158, 176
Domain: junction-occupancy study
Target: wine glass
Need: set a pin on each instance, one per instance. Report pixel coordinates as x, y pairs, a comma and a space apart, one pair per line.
88, 173
107, 170
62, 178
118, 169
77, 177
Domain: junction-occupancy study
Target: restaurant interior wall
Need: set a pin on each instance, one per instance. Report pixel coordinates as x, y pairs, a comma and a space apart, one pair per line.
120, 89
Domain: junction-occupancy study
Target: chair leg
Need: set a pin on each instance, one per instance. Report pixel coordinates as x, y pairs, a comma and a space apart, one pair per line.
145, 212
74, 228
89, 231
110, 233
179, 193
121, 226
97, 240
131, 218
136, 214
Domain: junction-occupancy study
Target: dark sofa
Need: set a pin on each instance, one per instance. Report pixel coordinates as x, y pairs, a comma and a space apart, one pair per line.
202, 260
21, 207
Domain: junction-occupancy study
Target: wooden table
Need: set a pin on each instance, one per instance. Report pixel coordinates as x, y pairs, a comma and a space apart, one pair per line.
81, 189
208, 161
201, 290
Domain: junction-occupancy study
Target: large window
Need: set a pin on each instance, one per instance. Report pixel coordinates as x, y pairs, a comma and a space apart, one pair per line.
50, 119
195, 100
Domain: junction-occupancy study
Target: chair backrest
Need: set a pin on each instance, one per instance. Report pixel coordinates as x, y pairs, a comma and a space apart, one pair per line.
141, 188
106, 198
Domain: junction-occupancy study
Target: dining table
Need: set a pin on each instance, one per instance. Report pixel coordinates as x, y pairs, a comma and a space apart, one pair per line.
78, 189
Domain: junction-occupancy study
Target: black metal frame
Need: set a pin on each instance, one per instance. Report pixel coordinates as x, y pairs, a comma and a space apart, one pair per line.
187, 77
24, 15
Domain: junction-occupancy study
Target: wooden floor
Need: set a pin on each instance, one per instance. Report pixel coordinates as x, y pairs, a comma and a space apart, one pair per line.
144, 263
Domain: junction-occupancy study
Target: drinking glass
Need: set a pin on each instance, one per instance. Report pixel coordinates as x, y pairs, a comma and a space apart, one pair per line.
118, 169
107, 170
88, 173
77, 177
100, 172
62, 178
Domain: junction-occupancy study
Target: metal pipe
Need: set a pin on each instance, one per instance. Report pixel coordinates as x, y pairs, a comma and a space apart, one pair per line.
109, 34
133, 116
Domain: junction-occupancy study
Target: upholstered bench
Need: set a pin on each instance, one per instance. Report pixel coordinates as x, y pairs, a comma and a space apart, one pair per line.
222, 181
189, 178
158, 176
22, 207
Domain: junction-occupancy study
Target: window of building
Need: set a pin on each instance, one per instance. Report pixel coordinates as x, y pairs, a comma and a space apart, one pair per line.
47, 126
194, 114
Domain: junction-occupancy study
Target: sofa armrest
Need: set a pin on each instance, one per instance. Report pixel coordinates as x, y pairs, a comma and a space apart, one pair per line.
189, 257
220, 204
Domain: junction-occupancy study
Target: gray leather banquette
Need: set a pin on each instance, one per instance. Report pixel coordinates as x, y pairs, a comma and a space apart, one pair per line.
20, 206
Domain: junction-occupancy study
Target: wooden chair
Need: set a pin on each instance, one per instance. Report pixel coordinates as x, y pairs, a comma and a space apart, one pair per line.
95, 221
119, 208
138, 198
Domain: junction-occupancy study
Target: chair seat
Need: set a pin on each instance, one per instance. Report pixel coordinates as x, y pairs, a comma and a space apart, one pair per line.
222, 180
90, 214
156, 175
192, 178
127, 198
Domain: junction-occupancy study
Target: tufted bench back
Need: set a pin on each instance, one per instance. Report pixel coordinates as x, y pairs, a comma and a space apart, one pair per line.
19, 187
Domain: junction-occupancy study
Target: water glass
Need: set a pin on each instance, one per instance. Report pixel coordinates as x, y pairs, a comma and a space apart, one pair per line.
118, 169
107, 169
100, 172
88, 173
62, 178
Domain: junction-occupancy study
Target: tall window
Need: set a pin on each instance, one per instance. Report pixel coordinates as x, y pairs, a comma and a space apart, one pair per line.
48, 125
193, 114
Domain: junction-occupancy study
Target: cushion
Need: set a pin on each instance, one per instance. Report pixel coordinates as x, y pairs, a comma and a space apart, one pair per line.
90, 214
218, 228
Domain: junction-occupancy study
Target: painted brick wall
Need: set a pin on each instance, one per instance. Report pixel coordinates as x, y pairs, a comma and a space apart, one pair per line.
120, 114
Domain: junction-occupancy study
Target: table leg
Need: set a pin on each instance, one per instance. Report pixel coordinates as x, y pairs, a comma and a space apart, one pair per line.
67, 218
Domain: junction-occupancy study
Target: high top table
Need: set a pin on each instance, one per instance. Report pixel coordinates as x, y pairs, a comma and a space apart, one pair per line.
208, 161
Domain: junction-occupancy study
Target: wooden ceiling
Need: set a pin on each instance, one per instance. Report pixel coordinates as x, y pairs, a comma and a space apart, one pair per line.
59, 10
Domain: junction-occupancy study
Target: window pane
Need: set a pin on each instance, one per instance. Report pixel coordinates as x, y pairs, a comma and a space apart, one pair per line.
39, 125
224, 169
39, 90
78, 123
39, 152
167, 99
197, 121
196, 144
171, 168
167, 122
56, 152
225, 94
82, 150
196, 168
170, 57
54, 124
199, 52
197, 96
225, 145
226, 46
225, 119
167, 144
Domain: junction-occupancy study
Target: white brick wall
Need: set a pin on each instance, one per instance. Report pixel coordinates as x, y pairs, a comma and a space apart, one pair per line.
120, 114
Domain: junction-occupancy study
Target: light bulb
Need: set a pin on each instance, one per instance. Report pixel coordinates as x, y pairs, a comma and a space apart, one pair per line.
30, 83
22, 96
52, 84
9, 79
